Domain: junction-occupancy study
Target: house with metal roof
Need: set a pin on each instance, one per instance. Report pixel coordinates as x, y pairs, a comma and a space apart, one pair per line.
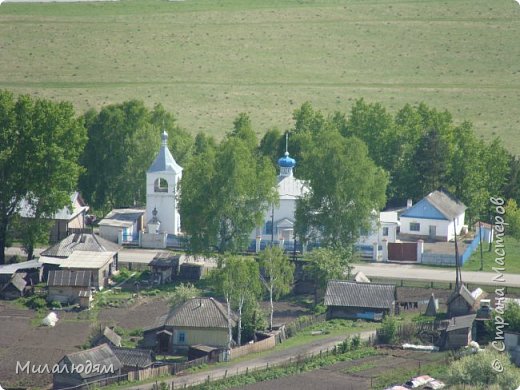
122, 226
66, 286
371, 301
196, 321
73, 371
66, 220
438, 216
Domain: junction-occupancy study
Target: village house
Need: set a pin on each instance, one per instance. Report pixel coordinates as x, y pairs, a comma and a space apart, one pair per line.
122, 226
66, 286
383, 229
352, 300
437, 217
102, 355
83, 251
196, 321
65, 221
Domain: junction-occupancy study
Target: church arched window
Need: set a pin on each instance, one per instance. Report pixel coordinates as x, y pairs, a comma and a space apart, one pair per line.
160, 185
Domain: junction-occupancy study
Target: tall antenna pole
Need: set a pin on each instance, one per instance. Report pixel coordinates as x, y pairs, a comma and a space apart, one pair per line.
458, 278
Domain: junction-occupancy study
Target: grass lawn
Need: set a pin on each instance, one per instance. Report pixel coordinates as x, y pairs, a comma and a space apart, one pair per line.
207, 61
511, 262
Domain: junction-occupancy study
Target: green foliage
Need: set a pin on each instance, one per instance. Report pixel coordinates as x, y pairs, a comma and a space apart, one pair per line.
388, 330
238, 280
324, 264
183, 292
341, 194
124, 273
513, 219
277, 274
478, 370
123, 141
272, 373
253, 319
36, 303
40, 143
31, 232
225, 192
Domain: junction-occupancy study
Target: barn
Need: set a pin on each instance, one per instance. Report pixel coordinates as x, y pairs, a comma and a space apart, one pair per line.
353, 300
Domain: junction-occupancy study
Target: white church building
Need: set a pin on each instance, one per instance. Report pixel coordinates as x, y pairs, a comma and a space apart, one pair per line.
161, 217
278, 226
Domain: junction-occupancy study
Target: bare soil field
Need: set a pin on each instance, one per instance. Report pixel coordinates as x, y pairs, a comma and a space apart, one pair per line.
351, 375
21, 341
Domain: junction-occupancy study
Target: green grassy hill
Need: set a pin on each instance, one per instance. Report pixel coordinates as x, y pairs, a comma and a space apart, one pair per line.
209, 60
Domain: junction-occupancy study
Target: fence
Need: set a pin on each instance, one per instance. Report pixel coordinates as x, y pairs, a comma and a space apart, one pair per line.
263, 345
303, 322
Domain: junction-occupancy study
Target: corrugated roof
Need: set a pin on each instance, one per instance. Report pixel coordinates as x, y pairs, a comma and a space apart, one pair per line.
122, 217
101, 355
112, 336
446, 204
130, 357
461, 322
87, 259
12, 268
80, 242
369, 295
69, 278
198, 313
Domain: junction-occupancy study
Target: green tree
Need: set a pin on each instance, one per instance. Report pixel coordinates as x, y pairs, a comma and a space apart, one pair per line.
277, 275
243, 129
123, 141
324, 264
345, 186
40, 143
238, 280
389, 330
513, 219
184, 292
272, 145
477, 370
224, 194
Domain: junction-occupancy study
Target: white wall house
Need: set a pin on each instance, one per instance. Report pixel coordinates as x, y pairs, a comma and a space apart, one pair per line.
384, 227
122, 225
279, 221
435, 217
161, 189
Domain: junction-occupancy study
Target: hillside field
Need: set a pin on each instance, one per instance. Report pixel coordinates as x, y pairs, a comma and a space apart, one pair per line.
208, 60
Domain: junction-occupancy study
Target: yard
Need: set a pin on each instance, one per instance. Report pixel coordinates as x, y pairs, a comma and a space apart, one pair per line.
511, 263
207, 61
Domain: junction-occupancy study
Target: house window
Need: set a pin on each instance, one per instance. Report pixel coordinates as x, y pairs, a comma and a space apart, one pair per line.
385, 232
182, 337
415, 227
268, 227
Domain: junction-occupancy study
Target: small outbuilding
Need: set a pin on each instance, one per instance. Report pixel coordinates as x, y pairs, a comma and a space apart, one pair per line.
371, 301
107, 336
16, 288
66, 286
134, 359
101, 356
458, 332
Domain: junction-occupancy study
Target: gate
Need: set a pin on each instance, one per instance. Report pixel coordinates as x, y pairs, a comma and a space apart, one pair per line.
402, 251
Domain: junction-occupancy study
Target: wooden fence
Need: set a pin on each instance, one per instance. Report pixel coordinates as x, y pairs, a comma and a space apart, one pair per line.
165, 369
263, 345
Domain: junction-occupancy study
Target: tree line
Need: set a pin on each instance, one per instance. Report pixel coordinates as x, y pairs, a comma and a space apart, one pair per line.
353, 163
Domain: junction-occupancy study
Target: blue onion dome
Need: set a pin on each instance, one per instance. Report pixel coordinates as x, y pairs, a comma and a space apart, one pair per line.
286, 161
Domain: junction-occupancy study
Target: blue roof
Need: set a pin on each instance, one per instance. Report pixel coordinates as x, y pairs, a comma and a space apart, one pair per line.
286, 161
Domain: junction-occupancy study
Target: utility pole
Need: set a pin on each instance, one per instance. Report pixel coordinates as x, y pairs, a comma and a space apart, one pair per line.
480, 238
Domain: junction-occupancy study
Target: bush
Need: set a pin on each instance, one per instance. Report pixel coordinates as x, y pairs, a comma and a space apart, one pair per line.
388, 332
477, 370
356, 343
56, 304
36, 303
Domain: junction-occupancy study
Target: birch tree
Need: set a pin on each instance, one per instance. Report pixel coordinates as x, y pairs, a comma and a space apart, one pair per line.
277, 275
